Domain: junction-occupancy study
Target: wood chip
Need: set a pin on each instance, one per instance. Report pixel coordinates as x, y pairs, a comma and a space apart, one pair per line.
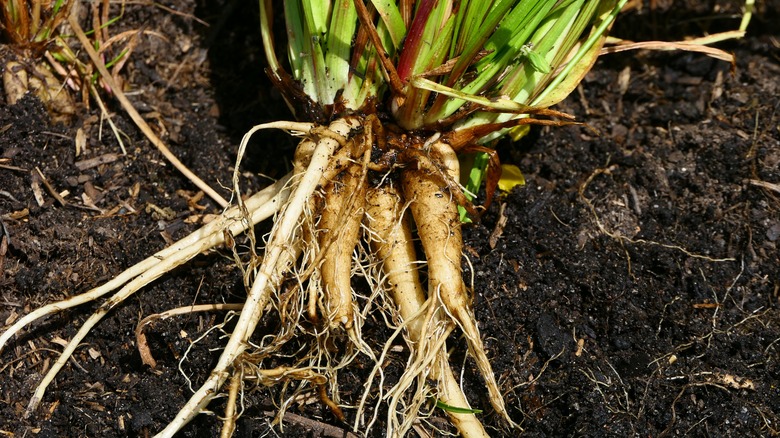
17, 215
11, 318
94, 194
59, 341
53, 407
95, 406
3, 251
192, 200
706, 305
81, 141
50, 189
734, 382
36, 189
200, 219
97, 161
580, 347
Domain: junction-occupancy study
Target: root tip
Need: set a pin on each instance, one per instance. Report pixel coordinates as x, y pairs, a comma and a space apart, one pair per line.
31, 407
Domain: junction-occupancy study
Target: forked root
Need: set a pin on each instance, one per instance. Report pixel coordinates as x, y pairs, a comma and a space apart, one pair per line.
393, 244
438, 226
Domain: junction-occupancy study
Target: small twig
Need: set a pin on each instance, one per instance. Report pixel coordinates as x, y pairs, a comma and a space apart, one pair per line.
9, 167
8, 195
35, 185
697, 45
766, 185
104, 114
500, 225
96, 161
3, 250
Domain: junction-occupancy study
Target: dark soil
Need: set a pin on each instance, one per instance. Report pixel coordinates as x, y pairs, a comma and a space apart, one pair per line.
634, 290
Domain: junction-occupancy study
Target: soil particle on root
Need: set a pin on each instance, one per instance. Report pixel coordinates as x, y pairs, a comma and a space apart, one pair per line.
633, 291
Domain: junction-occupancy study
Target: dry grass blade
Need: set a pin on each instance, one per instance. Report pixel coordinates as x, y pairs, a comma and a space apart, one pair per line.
688, 46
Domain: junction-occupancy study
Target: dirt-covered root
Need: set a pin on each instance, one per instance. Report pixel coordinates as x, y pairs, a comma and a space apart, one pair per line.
391, 240
314, 241
280, 253
331, 230
435, 213
339, 228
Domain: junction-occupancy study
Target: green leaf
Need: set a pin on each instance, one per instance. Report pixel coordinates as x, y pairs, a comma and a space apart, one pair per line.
433, 48
301, 68
441, 405
475, 177
506, 44
391, 16
538, 62
497, 104
266, 31
343, 26
581, 62
316, 14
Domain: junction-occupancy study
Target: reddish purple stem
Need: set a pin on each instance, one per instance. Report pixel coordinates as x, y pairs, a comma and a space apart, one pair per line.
411, 48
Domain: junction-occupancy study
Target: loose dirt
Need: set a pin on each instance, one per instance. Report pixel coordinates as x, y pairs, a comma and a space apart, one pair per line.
633, 290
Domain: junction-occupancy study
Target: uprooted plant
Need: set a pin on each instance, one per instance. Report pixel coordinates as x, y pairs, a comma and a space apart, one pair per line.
391, 93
